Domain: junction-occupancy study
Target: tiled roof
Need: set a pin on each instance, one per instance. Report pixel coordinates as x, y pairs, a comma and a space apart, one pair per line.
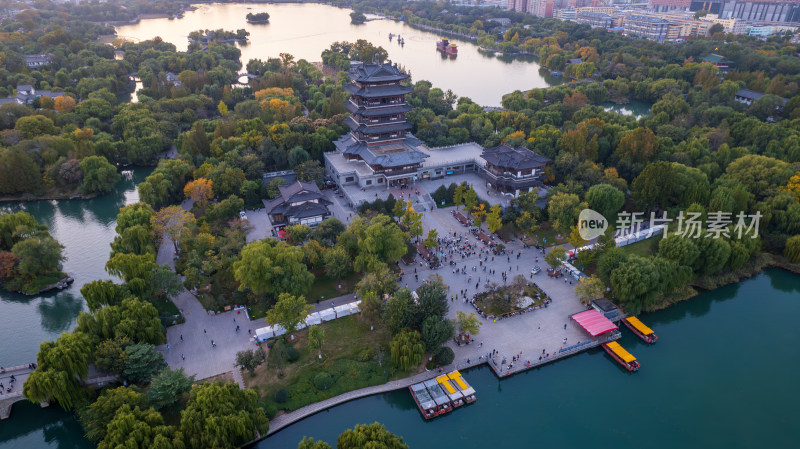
377, 91
366, 73
376, 111
388, 155
519, 158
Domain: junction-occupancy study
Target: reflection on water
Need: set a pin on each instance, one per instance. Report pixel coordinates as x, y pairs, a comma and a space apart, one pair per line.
59, 312
482, 77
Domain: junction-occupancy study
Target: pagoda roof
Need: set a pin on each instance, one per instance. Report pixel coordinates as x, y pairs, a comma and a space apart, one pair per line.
376, 128
374, 111
378, 72
377, 91
519, 158
396, 154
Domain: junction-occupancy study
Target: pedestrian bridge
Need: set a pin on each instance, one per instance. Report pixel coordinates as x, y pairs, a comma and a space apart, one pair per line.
21, 373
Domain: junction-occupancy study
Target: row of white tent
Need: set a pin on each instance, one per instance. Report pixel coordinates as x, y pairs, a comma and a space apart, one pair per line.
624, 240
265, 333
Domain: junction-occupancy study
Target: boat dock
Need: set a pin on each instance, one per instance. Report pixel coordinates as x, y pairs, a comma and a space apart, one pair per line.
440, 395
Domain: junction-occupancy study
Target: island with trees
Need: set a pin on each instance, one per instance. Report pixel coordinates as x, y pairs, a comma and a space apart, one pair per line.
357, 18
257, 18
30, 259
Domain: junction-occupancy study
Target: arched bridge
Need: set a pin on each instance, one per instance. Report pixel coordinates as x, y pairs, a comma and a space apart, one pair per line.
21, 373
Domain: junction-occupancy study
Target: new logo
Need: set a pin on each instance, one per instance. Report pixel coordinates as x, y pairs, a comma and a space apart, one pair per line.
591, 224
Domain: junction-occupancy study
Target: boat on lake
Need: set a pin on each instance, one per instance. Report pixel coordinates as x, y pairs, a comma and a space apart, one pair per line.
446, 47
442, 401
455, 395
622, 356
638, 328
425, 403
460, 383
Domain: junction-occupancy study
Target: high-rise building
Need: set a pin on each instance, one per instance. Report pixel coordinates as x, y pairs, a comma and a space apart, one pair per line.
540, 8
518, 5
646, 26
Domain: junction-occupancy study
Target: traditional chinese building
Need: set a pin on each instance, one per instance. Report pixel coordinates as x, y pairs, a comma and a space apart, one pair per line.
298, 203
378, 135
513, 170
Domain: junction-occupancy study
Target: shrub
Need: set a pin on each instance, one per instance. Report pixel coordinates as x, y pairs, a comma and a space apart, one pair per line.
323, 381
281, 396
270, 344
444, 356
270, 409
291, 354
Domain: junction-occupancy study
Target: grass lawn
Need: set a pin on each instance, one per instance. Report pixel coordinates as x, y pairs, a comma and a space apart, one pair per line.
327, 288
353, 357
646, 247
545, 232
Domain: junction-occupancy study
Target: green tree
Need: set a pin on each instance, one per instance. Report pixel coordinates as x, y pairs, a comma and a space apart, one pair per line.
378, 283
470, 199
436, 331
298, 233
337, 263
18, 172
555, 256
635, 282
309, 443
458, 195
373, 435
407, 349
590, 288
467, 323
328, 231
611, 258
792, 249
527, 222
357, 17
60, 367
605, 199
272, 267
221, 415
132, 266
316, 337
38, 256
288, 312
35, 125
250, 359
142, 363
134, 319
136, 428
493, 220
110, 356
399, 311
563, 210
96, 416
431, 241
99, 176
682, 250
380, 243
413, 220
168, 388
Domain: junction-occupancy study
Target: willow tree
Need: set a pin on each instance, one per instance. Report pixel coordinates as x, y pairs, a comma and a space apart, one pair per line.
62, 365
407, 349
373, 435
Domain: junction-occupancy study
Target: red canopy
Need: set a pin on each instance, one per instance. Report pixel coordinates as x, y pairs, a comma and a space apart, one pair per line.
594, 322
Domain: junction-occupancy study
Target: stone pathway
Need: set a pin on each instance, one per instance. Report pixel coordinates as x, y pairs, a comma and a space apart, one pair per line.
237, 377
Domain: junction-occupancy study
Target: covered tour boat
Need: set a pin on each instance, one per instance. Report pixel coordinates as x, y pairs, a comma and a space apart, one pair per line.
446, 47
455, 395
425, 403
622, 356
638, 328
442, 400
463, 386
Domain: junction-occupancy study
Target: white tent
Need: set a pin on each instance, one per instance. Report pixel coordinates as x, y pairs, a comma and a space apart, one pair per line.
354, 306
301, 325
313, 319
327, 314
279, 330
342, 310
264, 333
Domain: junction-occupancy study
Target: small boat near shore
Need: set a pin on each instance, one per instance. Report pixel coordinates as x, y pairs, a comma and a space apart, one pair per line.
455, 395
439, 397
425, 403
639, 328
622, 356
460, 383
446, 47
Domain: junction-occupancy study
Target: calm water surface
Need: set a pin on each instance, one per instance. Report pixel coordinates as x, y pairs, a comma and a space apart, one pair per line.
305, 30
722, 375
636, 108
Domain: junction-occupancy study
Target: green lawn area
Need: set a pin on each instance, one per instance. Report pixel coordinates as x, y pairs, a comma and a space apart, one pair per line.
548, 234
646, 247
327, 288
353, 357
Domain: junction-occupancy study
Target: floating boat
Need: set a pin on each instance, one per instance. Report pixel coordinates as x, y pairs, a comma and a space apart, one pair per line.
622, 356
638, 328
446, 47
425, 403
437, 394
463, 386
455, 395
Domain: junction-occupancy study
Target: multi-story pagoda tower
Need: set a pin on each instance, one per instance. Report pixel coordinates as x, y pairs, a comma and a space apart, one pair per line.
379, 148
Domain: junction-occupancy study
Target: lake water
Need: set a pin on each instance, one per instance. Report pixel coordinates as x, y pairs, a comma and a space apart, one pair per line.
636, 108
723, 375
305, 30
86, 229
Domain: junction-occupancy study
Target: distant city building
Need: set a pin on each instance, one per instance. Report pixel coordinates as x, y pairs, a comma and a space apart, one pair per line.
594, 19
751, 10
566, 14
646, 26
540, 8
518, 5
